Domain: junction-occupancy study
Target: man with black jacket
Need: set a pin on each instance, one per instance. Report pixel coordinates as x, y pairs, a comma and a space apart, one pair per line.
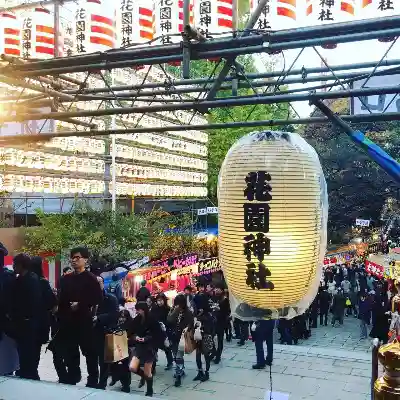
79, 297
26, 316
324, 305
8, 347
222, 311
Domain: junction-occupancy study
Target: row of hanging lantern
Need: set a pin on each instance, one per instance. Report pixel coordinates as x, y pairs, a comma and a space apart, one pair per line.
100, 26
287, 14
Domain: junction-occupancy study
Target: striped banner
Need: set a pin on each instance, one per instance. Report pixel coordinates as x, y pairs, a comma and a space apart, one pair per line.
225, 14
11, 35
43, 31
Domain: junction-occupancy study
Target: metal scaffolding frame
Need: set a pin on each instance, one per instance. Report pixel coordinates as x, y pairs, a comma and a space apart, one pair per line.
48, 83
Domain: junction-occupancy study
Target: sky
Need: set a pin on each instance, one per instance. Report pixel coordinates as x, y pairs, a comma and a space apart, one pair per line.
348, 53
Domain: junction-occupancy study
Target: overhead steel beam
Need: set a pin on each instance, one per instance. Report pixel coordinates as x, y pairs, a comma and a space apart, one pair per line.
367, 118
241, 48
346, 78
218, 103
273, 74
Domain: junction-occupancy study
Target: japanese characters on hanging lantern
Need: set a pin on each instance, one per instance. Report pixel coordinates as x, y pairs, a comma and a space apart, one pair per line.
256, 218
94, 29
168, 20
277, 14
379, 8
68, 40
10, 34
135, 22
264, 21
322, 11
214, 17
38, 34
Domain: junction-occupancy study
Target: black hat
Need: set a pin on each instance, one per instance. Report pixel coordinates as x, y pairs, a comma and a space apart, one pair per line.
142, 305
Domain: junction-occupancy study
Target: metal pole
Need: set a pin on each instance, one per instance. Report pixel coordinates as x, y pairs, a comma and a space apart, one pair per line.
218, 103
113, 156
384, 160
17, 139
235, 84
186, 41
308, 71
230, 61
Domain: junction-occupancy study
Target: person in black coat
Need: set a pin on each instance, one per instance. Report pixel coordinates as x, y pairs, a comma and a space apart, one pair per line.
159, 312
26, 316
146, 335
49, 299
104, 321
205, 322
222, 312
324, 305
143, 293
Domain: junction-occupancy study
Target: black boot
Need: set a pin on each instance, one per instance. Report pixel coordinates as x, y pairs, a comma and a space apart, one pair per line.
149, 391
126, 389
178, 381
206, 377
142, 378
199, 376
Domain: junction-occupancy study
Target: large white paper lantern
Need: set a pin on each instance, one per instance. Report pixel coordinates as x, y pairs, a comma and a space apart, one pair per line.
272, 224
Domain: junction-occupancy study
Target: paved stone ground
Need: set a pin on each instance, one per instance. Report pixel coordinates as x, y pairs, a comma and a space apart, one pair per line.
332, 365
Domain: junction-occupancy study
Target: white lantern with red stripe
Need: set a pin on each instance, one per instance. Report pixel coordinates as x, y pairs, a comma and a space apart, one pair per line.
94, 27
379, 8
168, 20
214, 16
134, 22
10, 34
277, 14
38, 34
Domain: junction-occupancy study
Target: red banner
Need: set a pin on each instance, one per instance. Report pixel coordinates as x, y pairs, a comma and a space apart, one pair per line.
374, 269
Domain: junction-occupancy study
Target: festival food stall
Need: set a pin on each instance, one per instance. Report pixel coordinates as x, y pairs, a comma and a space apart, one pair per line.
170, 276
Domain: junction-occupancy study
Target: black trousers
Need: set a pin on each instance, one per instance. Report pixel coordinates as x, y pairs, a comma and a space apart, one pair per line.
244, 331
82, 339
28, 346
220, 341
323, 317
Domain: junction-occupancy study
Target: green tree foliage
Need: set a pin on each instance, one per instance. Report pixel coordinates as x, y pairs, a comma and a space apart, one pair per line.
118, 236
357, 186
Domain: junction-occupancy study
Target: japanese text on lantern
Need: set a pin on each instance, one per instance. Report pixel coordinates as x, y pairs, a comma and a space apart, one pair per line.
126, 22
385, 5
27, 38
165, 10
80, 25
263, 22
256, 219
205, 16
326, 13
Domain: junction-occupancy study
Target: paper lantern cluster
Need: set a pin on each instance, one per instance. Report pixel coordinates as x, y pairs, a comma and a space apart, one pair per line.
272, 224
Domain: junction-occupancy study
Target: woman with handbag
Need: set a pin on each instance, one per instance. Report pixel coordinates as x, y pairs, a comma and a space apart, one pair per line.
204, 333
179, 320
145, 333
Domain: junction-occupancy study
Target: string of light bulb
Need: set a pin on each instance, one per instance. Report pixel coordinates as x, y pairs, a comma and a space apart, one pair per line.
41, 184
47, 161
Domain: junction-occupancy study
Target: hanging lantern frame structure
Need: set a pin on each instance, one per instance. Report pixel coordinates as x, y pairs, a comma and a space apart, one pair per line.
176, 95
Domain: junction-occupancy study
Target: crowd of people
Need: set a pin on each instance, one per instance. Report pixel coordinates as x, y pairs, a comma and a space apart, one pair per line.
77, 317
